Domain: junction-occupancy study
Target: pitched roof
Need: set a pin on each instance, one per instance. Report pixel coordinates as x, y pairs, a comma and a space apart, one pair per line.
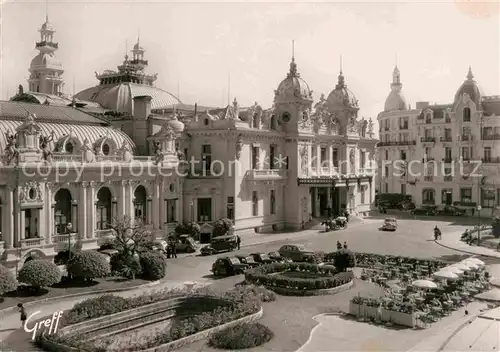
47, 113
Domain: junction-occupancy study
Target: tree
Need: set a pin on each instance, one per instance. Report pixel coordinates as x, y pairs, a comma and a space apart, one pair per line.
153, 265
130, 238
88, 265
8, 282
344, 259
39, 273
221, 227
192, 229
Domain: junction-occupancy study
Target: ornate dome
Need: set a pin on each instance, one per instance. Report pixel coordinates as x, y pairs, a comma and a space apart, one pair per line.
470, 87
120, 96
45, 59
293, 87
341, 97
176, 125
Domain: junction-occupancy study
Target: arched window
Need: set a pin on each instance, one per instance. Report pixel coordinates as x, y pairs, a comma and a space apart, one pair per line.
106, 149
466, 114
140, 204
103, 215
428, 196
255, 121
273, 122
62, 211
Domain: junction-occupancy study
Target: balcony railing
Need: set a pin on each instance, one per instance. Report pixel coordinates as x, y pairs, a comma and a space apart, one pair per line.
62, 241
32, 242
266, 174
201, 173
467, 137
45, 43
491, 137
448, 178
78, 158
403, 127
446, 139
428, 139
428, 178
491, 160
396, 143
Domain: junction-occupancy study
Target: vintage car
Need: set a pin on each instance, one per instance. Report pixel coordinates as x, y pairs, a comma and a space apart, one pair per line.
228, 266
183, 243
425, 210
390, 224
249, 260
277, 258
296, 253
450, 210
220, 244
262, 258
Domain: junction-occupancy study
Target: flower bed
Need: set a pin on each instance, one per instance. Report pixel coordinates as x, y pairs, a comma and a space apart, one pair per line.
299, 278
197, 315
241, 337
370, 260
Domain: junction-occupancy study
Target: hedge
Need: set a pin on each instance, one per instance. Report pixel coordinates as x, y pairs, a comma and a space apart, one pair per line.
88, 265
495, 224
39, 273
241, 337
8, 282
329, 278
153, 265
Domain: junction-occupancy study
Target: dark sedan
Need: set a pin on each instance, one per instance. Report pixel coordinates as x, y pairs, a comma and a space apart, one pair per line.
228, 266
248, 260
262, 258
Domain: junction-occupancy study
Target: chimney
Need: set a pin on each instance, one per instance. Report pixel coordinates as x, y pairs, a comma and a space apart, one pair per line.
421, 105
142, 107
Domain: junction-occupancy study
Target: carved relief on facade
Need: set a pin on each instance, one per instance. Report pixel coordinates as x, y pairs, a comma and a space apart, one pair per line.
352, 160
239, 146
31, 192
304, 159
352, 126
332, 125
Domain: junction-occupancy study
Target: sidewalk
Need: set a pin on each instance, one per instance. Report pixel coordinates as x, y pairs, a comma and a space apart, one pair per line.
452, 241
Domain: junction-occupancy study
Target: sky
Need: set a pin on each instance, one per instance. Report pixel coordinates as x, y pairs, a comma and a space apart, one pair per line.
209, 52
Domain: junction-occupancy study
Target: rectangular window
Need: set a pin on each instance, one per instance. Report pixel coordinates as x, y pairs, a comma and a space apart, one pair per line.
362, 160
403, 188
255, 204
466, 195
386, 155
487, 132
204, 209
206, 156
447, 154
466, 132
428, 153
402, 154
448, 176
171, 208
230, 208
487, 198
447, 134
466, 153
255, 158
335, 157
272, 156
323, 155
186, 151
362, 194
446, 196
386, 188
386, 171
487, 154
428, 133
272, 200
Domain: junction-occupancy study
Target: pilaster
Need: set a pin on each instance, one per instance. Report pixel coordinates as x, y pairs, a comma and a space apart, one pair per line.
83, 211
49, 212
130, 200
149, 210
122, 199
91, 221
74, 215
8, 213
161, 214
156, 204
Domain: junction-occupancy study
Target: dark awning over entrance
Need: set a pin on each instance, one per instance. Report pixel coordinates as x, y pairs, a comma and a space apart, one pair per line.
333, 181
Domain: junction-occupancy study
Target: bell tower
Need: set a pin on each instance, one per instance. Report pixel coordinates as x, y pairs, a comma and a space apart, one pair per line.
45, 70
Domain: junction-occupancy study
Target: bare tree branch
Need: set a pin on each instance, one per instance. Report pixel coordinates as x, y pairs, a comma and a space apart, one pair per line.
130, 236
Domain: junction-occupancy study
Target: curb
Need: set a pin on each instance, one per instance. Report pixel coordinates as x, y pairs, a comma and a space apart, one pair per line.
467, 252
74, 295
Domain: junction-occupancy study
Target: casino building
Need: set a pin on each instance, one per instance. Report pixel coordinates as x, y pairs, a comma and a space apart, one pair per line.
127, 148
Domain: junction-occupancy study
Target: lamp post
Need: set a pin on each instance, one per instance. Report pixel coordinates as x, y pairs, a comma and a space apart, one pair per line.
69, 227
191, 204
480, 183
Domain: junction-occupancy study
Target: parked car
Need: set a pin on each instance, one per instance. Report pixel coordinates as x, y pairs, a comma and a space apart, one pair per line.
249, 260
390, 224
425, 210
219, 244
450, 210
184, 243
277, 258
296, 252
262, 258
228, 266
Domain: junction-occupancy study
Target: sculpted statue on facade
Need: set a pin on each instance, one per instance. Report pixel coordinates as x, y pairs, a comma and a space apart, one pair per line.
11, 150
332, 126
362, 127
44, 145
370, 128
239, 146
158, 152
304, 159
88, 154
352, 160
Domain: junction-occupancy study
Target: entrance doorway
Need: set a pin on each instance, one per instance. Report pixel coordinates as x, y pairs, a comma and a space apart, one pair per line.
323, 201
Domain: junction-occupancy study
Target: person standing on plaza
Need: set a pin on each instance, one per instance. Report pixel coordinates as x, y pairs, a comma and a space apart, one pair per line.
238, 242
23, 313
174, 251
339, 245
345, 244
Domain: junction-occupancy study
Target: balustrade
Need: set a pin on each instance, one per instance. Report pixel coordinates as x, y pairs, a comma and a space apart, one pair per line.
266, 174
32, 242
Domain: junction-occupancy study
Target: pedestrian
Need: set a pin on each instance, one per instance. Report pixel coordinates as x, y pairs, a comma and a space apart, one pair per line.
168, 250
339, 245
345, 244
347, 216
238, 241
174, 251
23, 313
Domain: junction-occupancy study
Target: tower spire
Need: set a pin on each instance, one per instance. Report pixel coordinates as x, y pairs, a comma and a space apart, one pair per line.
293, 65
470, 76
46, 10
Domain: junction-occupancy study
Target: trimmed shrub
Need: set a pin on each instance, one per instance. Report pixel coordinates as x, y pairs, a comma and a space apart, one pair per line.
241, 337
95, 307
221, 227
344, 259
496, 227
262, 293
39, 273
318, 257
126, 266
8, 282
153, 265
62, 258
88, 265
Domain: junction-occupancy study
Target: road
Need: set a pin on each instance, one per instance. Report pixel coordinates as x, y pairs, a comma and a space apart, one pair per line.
413, 238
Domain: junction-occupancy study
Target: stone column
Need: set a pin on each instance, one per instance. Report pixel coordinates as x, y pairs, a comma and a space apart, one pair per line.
22, 225
156, 205
49, 214
130, 201
114, 209
330, 159
161, 214
82, 211
122, 200
8, 214
74, 215
180, 203
93, 210
149, 210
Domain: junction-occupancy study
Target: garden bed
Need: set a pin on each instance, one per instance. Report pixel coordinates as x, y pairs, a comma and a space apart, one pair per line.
25, 294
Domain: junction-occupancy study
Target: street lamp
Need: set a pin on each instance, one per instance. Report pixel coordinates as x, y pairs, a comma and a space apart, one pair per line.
192, 210
480, 183
69, 227
478, 225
